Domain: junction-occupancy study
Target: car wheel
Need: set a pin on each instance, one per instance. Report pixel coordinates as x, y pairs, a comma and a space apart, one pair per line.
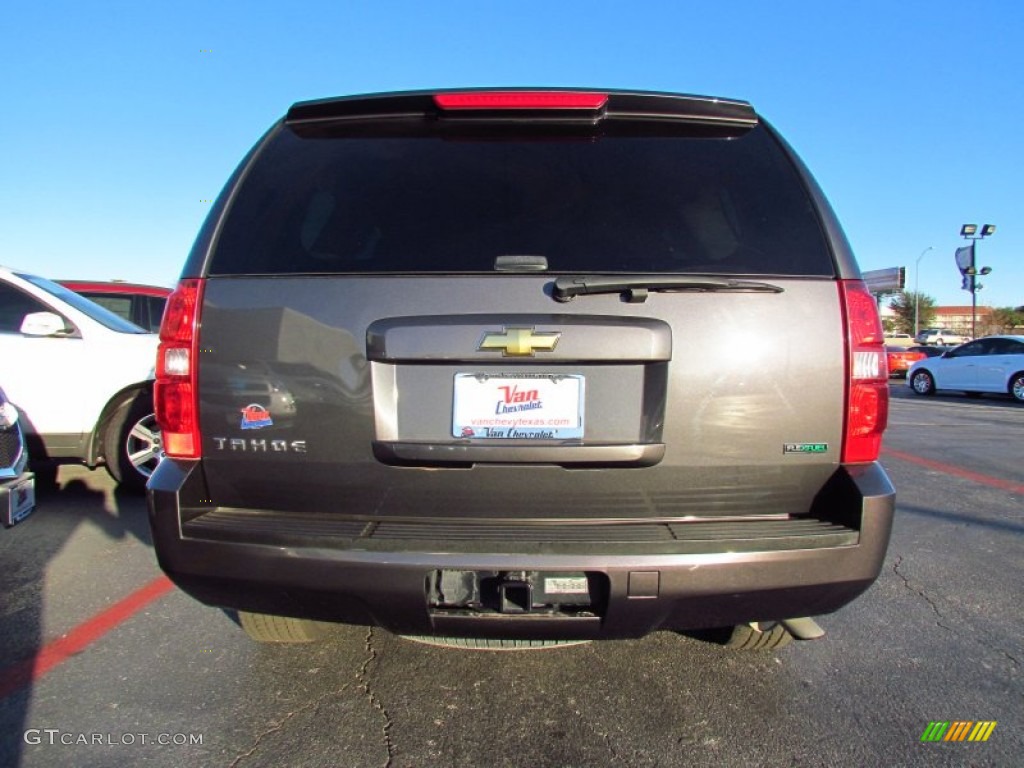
1017, 386
264, 628
939, 342
132, 445
923, 383
762, 636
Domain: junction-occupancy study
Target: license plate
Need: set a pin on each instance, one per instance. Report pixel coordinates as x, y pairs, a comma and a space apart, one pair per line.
529, 406
19, 502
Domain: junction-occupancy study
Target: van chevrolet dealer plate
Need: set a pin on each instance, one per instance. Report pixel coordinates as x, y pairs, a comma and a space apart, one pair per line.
528, 406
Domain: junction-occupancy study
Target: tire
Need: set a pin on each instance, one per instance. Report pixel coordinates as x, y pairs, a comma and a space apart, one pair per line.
746, 637
131, 443
491, 644
264, 628
922, 383
1016, 387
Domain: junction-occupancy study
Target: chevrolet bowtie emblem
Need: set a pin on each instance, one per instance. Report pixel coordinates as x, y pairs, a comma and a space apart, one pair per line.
519, 342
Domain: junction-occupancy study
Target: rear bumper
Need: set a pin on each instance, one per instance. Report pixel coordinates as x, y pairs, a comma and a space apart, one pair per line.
309, 571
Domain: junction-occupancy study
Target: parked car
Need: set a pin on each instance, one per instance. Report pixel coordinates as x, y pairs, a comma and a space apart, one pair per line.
929, 351
81, 377
17, 484
506, 324
899, 339
900, 359
991, 364
139, 304
939, 336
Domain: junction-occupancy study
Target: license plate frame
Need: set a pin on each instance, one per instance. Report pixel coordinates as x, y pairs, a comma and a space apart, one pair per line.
518, 406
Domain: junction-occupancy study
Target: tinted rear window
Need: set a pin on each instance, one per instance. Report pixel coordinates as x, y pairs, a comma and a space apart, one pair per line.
119, 305
417, 201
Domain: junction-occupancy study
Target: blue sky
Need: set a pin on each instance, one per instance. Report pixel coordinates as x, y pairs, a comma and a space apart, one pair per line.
120, 120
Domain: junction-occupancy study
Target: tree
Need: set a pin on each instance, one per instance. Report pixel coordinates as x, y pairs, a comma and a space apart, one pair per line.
1005, 319
903, 304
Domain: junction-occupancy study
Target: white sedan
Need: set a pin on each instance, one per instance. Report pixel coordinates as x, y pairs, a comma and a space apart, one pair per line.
991, 364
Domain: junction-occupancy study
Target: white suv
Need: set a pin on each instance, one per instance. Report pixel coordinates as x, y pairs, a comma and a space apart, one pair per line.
939, 336
81, 377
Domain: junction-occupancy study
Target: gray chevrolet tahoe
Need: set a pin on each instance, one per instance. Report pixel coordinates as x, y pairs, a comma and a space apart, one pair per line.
476, 367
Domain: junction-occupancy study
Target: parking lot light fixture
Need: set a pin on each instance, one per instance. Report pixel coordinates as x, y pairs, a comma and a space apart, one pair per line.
971, 271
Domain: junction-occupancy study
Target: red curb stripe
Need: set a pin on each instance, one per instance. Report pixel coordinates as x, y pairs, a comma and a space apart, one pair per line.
27, 671
949, 469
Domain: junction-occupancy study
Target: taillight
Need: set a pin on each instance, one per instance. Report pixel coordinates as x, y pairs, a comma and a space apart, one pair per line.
175, 389
521, 100
867, 398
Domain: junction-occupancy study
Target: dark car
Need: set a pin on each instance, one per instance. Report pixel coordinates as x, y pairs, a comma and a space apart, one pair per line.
139, 304
505, 322
17, 484
929, 350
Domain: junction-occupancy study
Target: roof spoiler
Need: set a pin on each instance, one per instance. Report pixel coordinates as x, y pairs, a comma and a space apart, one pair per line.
517, 103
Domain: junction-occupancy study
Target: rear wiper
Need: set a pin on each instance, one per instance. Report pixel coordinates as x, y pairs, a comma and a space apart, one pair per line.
636, 287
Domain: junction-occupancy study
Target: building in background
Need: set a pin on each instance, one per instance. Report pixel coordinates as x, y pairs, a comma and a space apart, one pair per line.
958, 318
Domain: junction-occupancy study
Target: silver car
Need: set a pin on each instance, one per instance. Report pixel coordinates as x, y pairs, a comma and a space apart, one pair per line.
939, 337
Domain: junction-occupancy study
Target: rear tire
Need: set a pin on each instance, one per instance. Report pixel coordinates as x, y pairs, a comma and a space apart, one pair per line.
748, 638
264, 628
923, 383
1017, 386
131, 443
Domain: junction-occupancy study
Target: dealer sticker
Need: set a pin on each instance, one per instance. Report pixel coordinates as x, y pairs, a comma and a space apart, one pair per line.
566, 585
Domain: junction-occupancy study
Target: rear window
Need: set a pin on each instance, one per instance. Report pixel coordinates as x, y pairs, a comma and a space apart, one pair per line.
416, 201
119, 305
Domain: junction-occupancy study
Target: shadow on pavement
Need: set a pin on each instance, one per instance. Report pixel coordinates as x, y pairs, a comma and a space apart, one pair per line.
66, 504
957, 517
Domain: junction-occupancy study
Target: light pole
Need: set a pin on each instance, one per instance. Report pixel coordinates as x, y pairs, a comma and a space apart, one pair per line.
917, 294
965, 261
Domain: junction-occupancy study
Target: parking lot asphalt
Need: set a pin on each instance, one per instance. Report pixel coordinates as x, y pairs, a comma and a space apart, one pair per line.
104, 665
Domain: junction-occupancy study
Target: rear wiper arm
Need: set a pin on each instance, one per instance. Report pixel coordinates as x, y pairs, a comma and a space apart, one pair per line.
636, 287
